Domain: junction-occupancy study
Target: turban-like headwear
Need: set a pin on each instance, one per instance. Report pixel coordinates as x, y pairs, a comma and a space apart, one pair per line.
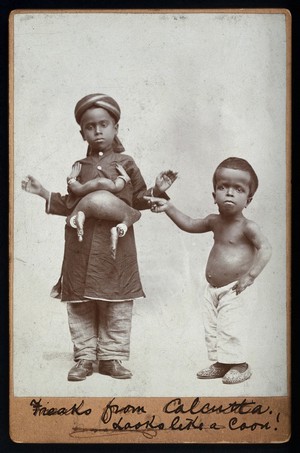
105, 102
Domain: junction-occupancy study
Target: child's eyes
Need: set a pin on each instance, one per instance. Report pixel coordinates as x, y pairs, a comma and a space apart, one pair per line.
237, 189
90, 127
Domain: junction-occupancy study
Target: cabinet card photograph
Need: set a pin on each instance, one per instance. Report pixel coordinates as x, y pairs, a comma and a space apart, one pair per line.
150, 226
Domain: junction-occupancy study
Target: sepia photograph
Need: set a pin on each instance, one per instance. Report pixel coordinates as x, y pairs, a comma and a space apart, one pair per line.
150, 166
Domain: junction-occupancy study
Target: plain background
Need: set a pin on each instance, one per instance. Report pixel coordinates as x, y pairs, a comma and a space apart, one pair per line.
193, 90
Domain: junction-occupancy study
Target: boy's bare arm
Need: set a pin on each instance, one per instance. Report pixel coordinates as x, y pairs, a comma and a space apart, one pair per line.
262, 257
180, 219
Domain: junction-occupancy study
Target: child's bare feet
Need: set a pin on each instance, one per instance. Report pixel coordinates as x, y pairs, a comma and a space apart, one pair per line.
121, 229
79, 222
113, 241
115, 233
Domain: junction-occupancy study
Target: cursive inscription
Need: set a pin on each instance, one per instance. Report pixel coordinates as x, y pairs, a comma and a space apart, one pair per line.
40, 409
197, 407
178, 414
234, 425
111, 409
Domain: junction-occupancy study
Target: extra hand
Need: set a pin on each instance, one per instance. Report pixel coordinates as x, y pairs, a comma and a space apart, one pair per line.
164, 180
157, 204
75, 171
242, 284
123, 172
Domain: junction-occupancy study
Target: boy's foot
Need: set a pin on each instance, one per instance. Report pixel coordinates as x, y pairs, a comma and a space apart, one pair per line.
237, 374
81, 370
114, 369
121, 229
114, 236
71, 221
79, 222
215, 371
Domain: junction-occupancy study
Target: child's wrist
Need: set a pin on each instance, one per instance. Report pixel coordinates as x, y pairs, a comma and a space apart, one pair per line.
126, 179
44, 193
155, 192
71, 179
169, 207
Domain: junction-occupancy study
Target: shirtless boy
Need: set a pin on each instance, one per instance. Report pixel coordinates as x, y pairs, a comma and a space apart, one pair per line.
239, 254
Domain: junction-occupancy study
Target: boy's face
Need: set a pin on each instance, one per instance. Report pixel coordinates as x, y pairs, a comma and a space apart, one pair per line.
232, 190
98, 129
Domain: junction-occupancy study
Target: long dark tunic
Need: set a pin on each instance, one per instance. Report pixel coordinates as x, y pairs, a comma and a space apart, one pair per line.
89, 271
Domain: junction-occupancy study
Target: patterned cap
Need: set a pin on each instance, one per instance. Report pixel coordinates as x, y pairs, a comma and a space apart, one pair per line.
97, 100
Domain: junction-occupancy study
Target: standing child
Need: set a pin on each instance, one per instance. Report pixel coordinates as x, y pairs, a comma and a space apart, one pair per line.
239, 254
99, 290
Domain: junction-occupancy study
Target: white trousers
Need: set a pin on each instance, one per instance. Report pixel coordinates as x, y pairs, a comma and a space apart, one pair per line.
225, 317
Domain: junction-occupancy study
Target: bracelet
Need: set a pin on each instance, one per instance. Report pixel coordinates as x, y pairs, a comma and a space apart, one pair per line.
124, 178
71, 180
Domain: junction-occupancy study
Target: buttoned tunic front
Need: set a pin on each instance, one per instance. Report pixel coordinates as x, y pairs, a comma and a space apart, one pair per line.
88, 270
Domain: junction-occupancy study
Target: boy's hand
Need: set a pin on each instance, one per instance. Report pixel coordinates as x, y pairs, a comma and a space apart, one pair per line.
242, 284
164, 180
123, 172
32, 185
157, 204
75, 171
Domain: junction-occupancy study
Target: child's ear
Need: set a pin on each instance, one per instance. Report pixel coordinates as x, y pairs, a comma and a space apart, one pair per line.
82, 134
214, 197
248, 201
117, 128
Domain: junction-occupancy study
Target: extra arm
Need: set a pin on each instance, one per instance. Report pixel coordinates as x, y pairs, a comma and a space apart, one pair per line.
95, 184
99, 183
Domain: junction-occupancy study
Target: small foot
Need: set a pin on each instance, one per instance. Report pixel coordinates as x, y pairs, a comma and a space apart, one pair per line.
215, 371
79, 222
113, 241
237, 374
71, 221
121, 229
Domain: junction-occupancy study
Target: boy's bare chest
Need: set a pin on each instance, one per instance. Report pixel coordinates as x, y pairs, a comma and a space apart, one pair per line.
230, 233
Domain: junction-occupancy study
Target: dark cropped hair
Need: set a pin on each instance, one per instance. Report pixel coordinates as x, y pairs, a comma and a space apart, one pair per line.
237, 163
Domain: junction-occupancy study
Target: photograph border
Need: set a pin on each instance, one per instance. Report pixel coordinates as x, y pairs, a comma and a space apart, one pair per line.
26, 427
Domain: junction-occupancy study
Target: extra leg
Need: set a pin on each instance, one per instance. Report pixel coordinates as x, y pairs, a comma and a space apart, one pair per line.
106, 206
